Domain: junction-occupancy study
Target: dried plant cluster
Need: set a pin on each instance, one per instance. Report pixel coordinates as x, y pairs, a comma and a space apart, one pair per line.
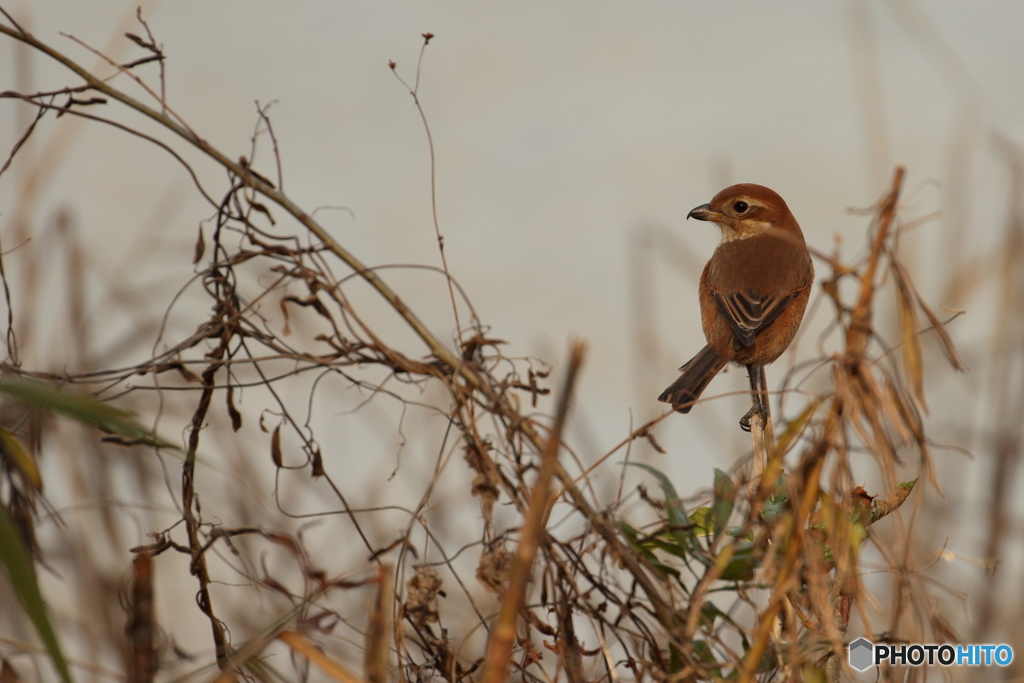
556, 582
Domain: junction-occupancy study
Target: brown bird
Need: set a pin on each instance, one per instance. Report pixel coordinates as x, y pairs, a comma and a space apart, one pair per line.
753, 292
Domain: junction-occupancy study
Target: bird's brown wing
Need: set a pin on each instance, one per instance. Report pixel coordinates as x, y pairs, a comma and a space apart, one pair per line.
746, 312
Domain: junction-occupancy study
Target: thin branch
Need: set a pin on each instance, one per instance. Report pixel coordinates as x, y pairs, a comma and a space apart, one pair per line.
503, 636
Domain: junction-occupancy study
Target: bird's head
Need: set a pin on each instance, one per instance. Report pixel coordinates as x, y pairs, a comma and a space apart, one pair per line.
747, 210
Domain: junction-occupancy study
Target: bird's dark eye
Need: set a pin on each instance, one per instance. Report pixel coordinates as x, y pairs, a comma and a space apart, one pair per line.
740, 207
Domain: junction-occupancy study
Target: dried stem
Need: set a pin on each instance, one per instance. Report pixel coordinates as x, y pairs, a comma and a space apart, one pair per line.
503, 637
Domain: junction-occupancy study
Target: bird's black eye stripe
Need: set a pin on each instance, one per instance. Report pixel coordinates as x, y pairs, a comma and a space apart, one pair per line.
740, 207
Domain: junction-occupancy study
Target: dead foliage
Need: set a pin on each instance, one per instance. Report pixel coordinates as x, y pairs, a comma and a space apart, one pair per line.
761, 583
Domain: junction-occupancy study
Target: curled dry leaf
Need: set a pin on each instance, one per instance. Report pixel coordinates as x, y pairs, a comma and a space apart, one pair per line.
472, 346
488, 494
487, 480
797, 426
913, 365
883, 506
15, 457
859, 504
493, 570
200, 248
275, 446
236, 417
421, 595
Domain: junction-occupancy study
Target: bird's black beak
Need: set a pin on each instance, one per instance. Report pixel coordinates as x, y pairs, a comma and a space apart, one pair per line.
704, 213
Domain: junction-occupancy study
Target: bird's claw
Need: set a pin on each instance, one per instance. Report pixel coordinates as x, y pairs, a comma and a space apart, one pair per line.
754, 410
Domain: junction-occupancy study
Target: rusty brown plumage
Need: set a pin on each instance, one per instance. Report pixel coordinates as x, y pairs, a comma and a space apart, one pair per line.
753, 291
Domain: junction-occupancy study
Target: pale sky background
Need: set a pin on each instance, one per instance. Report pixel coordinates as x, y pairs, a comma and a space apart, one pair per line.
563, 133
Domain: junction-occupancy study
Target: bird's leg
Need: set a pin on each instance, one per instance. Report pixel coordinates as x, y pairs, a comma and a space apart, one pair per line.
757, 406
767, 406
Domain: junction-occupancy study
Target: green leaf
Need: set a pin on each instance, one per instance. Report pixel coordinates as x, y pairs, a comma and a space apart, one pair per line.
644, 550
682, 531
23, 579
676, 512
675, 659
85, 409
740, 562
703, 654
721, 508
776, 503
700, 520
709, 613
633, 537
669, 546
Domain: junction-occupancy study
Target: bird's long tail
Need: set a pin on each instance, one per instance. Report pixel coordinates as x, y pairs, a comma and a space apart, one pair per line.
697, 374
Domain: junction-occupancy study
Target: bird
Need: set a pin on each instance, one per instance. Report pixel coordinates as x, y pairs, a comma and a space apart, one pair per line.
753, 292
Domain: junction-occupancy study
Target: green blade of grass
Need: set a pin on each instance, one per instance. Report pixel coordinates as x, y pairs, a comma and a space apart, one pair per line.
85, 409
23, 579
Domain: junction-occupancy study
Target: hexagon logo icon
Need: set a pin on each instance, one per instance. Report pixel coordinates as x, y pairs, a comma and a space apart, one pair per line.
862, 654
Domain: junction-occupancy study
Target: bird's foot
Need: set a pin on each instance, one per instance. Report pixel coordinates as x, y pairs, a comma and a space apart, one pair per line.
757, 409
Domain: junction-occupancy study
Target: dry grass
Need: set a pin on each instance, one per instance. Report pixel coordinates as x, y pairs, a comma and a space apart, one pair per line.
760, 583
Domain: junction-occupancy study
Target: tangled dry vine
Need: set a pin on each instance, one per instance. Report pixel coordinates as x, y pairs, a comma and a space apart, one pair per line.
623, 586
